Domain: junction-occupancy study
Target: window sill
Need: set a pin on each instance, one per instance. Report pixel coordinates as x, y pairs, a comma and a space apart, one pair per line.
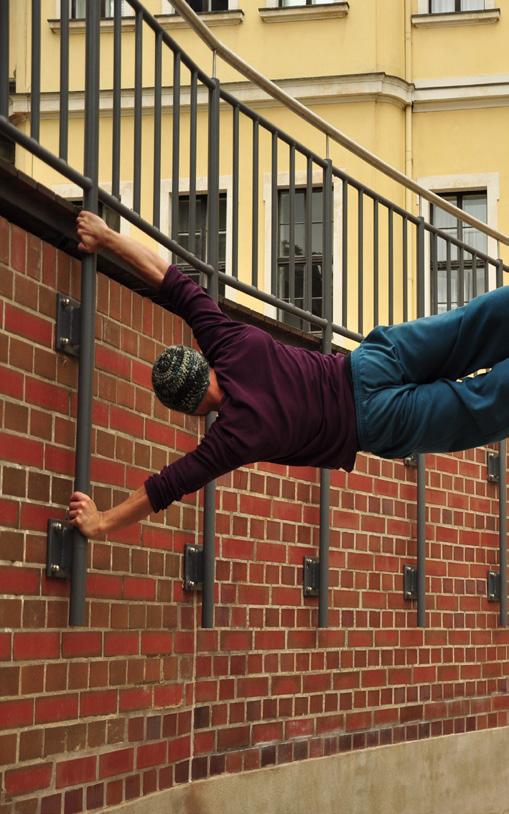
322, 11
211, 18
79, 26
457, 18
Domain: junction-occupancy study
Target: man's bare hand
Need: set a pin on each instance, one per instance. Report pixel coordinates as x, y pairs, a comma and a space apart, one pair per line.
84, 515
92, 232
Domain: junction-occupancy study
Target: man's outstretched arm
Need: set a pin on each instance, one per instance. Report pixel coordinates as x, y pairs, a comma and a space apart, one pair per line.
83, 513
94, 235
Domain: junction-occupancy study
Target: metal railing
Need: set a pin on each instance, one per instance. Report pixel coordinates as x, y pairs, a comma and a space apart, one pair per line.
315, 245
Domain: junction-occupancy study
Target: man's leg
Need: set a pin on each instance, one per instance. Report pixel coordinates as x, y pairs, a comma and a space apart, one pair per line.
456, 343
406, 394
442, 416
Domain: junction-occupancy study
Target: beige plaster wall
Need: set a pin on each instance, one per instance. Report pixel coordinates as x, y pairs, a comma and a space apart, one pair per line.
457, 774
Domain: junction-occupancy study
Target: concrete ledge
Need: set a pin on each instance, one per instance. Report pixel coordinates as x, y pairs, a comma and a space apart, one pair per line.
457, 774
456, 18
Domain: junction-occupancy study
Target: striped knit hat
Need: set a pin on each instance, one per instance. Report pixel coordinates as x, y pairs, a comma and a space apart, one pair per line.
180, 378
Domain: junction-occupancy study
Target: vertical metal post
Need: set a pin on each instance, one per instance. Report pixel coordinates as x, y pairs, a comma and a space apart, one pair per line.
191, 226
254, 195
308, 238
390, 264
156, 182
344, 251
360, 261
404, 226
326, 348
64, 79
274, 218
138, 90
35, 90
421, 465
209, 518
502, 529
4, 58
235, 193
175, 163
88, 281
376, 263
117, 88
291, 236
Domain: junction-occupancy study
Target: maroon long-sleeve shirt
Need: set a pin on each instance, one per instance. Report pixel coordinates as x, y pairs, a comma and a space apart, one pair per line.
281, 404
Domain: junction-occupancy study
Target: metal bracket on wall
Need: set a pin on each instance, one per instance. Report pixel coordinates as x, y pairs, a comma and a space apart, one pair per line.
493, 586
59, 550
193, 568
409, 582
411, 460
67, 338
493, 464
311, 577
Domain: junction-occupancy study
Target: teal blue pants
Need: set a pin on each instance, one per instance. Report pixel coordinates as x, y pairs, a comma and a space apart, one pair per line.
406, 389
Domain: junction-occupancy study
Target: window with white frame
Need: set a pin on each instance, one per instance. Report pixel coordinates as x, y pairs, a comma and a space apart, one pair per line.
208, 5
448, 262
198, 244
106, 9
292, 3
300, 269
451, 6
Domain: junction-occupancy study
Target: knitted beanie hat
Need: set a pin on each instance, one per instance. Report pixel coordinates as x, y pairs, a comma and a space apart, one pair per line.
180, 378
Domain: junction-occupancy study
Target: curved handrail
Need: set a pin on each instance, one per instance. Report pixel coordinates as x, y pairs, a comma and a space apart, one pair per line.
324, 126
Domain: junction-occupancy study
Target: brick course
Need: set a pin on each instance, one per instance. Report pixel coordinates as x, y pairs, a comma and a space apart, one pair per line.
142, 698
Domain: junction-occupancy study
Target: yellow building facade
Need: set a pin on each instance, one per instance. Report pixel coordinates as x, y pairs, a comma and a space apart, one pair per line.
423, 84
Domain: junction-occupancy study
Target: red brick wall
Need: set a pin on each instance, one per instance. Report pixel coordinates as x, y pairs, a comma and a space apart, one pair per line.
141, 698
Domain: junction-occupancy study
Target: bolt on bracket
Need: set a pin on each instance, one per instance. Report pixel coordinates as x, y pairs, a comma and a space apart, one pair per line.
493, 586
409, 582
493, 463
67, 336
193, 568
59, 550
311, 577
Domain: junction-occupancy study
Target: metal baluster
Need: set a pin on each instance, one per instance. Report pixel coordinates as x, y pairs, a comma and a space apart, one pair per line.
405, 268
291, 236
376, 262
421, 465
434, 273
117, 90
326, 348
502, 527
64, 80
176, 149
192, 164
344, 252
209, 524
360, 261
390, 261
254, 229
156, 182
88, 282
274, 217
235, 194
35, 90
308, 229
448, 274
138, 89
474, 274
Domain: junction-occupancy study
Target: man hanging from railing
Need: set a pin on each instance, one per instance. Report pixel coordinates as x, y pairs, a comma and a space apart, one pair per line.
397, 393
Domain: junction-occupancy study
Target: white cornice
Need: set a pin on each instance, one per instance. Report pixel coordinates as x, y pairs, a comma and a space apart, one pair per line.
426, 95
460, 93
319, 90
